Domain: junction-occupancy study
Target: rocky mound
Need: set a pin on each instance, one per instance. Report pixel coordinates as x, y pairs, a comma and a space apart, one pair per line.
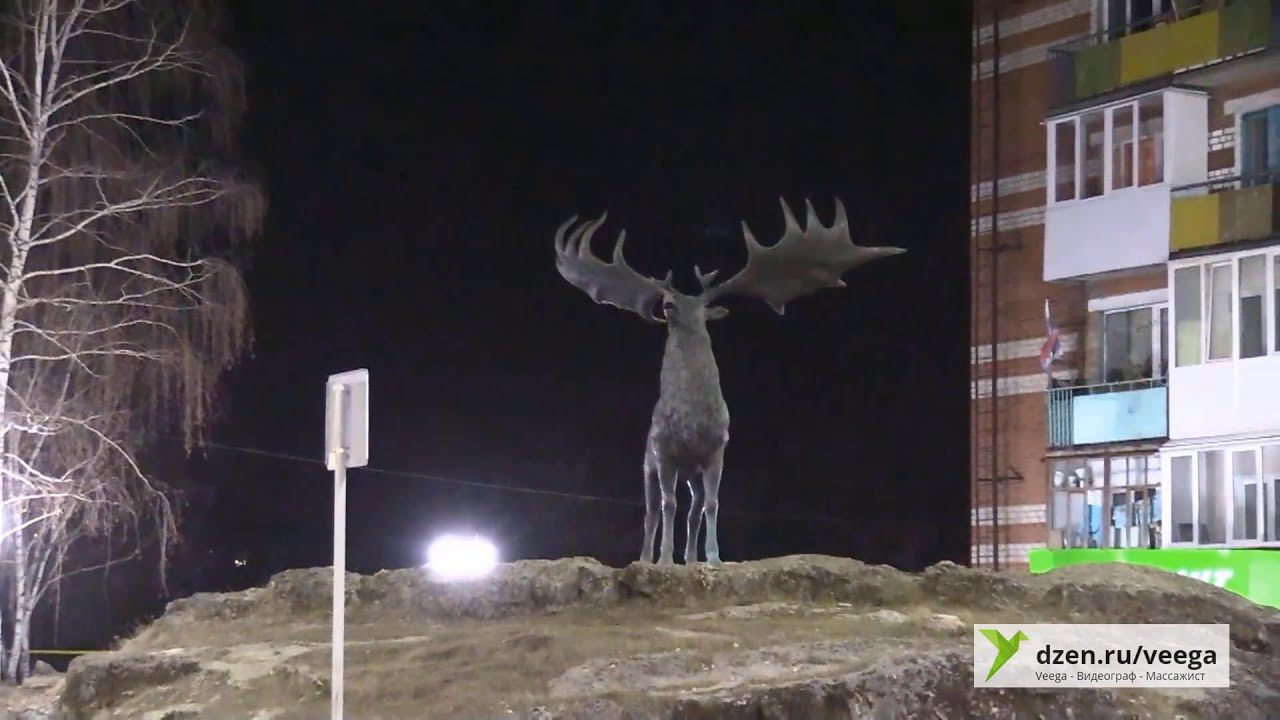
792, 637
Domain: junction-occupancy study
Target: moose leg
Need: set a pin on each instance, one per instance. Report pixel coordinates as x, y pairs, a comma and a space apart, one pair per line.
667, 477
711, 489
651, 500
694, 525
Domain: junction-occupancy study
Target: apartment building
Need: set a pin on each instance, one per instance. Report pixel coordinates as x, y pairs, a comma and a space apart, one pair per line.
1126, 158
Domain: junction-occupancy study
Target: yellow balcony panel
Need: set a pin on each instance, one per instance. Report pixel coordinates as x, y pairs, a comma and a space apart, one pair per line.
1193, 221
1193, 41
1090, 66
1242, 214
1247, 214
1144, 55
1171, 46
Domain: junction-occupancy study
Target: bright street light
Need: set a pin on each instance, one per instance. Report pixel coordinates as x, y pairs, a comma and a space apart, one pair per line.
461, 557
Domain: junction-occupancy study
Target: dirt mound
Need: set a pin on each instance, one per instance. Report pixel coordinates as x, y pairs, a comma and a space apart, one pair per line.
792, 637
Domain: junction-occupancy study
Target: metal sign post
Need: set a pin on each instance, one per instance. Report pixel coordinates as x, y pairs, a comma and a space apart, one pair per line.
346, 445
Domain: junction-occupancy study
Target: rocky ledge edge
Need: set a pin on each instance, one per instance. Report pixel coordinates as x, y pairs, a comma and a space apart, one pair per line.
1097, 593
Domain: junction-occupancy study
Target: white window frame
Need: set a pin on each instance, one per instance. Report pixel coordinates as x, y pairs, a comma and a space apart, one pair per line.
1228, 495
1241, 106
1167, 529
1051, 186
1272, 280
1226, 490
1271, 490
1269, 302
1104, 151
1233, 302
1261, 520
1173, 305
1108, 114
1111, 489
1109, 174
1157, 352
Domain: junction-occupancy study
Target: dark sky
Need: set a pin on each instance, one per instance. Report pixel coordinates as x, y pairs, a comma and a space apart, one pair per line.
418, 157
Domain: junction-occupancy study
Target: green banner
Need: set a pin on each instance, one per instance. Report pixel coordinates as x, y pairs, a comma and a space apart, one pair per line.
1255, 574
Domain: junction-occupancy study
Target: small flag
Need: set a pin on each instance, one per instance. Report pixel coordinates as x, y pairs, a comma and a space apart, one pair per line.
1052, 348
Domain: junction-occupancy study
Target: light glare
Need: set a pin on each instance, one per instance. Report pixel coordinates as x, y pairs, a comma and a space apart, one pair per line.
460, 557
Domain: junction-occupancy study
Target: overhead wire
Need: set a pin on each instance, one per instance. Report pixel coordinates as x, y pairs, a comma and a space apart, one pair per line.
432, 477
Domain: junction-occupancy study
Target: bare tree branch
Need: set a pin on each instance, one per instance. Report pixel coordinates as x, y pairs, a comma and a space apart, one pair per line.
117, 314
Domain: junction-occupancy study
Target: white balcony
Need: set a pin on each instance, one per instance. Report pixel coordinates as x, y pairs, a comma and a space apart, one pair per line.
1123, 229
1226, 371
1233, 397
1111, 170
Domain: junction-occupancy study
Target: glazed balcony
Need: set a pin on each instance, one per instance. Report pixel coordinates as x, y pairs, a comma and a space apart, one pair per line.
1194, 35
1114, 167
1208, 215
1108, 412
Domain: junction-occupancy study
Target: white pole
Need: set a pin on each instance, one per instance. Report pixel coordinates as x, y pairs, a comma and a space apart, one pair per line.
339, 555
339, 581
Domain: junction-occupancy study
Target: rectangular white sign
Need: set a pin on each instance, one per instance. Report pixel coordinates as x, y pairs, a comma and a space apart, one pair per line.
347, 418
1101, 656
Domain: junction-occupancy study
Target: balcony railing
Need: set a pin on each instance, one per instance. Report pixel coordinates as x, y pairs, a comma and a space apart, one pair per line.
1108, 412
1228, 210
1193, 34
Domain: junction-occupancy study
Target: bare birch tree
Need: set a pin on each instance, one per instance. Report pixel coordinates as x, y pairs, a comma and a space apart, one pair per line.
119, 310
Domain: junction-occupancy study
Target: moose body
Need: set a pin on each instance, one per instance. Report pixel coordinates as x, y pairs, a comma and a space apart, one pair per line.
687, 437
690, 427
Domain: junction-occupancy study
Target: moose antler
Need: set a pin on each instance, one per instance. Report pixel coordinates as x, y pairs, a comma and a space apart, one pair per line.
802, 262
613, 283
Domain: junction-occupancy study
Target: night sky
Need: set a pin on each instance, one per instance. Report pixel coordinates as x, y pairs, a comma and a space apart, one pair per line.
417, 158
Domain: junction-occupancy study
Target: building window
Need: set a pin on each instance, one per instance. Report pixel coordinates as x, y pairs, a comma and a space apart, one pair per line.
1131, 350
1134, 487
1211, 504
1253, 310
1234, 499
1122, 147
1181, 502
1224, 308
1260, 146
1275, 297
1094, 141
1246, 496
1101, 502
1077, 501
1115, 148
1151, 140
1064, 139
1123, 17
1162, 322
1270, 491
1218, 301
1186, 315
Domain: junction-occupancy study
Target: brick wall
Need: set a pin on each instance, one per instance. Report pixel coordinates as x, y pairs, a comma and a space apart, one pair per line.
1027, 31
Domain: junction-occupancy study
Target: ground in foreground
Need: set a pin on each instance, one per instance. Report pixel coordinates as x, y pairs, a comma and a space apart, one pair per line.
793, 637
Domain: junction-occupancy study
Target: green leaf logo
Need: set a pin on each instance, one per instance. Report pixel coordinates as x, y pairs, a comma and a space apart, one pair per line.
1005, 647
